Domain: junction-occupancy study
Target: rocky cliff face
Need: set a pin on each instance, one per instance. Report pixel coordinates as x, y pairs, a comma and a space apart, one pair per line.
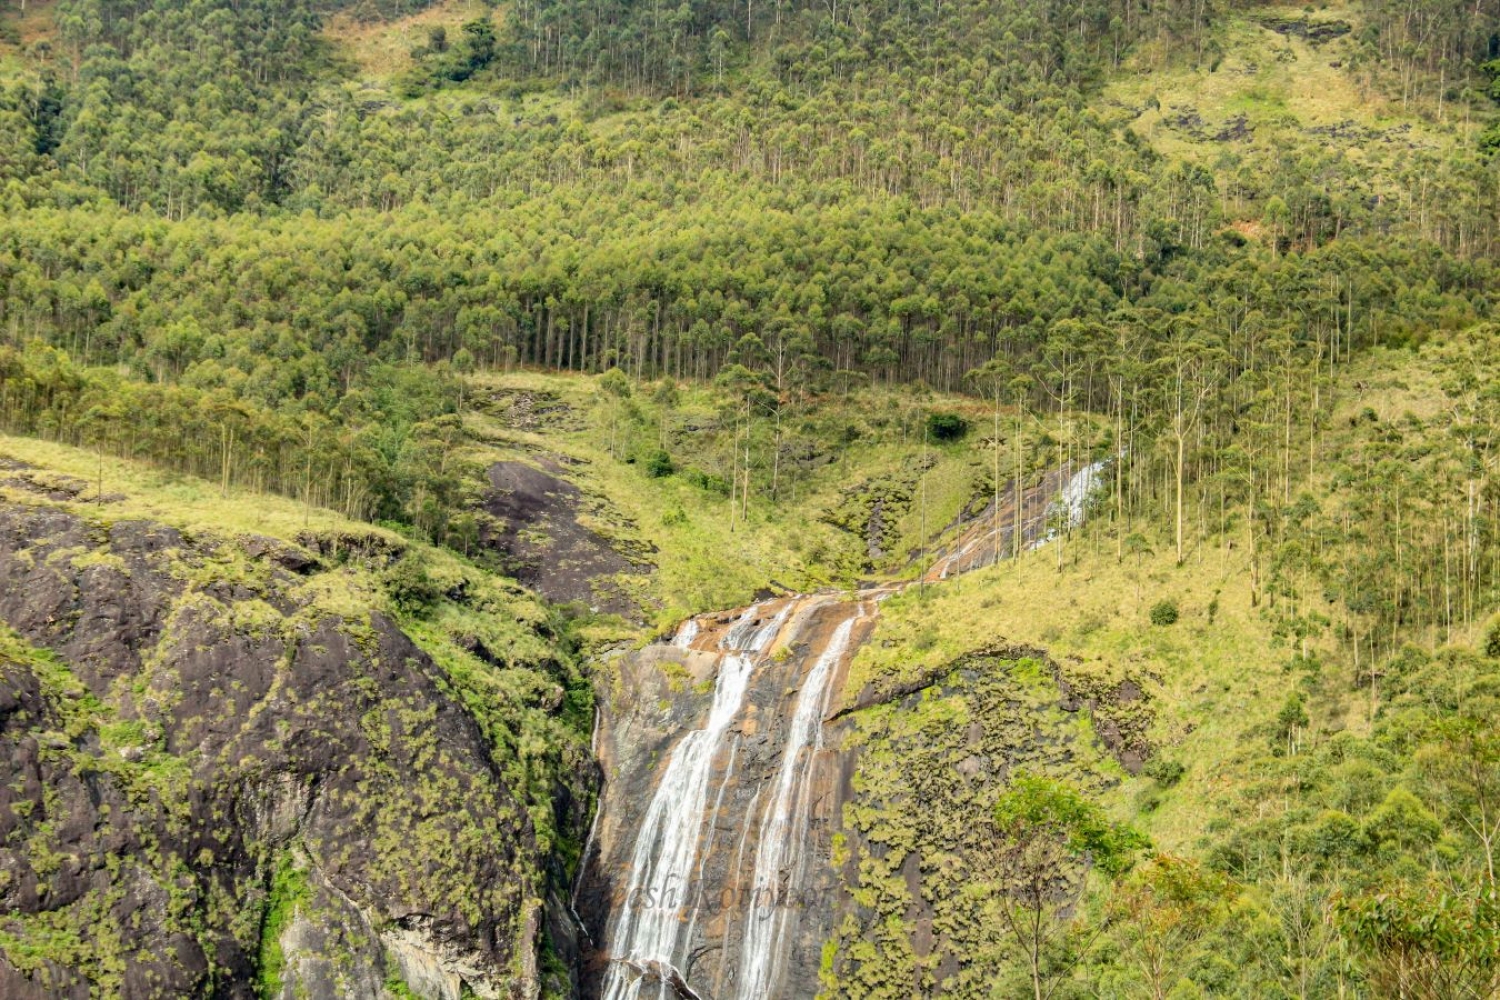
534, 528
216, 784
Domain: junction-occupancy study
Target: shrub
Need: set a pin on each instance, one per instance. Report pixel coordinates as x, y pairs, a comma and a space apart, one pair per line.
946, 426
1403, 821
412, 590
1164, 613
707, 481
1335, 835
1492, 640
1165, 772
659, 465
1150, 799
615, 383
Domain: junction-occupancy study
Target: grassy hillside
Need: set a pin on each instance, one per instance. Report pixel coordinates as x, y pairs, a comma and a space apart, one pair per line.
1328, 790
381, 48
803, 524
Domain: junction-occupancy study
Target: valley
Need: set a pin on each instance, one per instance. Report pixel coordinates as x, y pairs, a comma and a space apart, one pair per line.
585, 500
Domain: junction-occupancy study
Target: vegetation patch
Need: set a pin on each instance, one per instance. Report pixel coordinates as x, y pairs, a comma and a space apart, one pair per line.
288, 893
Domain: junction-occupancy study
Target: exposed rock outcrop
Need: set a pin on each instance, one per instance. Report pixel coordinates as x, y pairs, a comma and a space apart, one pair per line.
536, 528
210, 781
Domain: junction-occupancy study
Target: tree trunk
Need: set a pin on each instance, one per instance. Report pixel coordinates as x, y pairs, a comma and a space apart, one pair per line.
1181, 453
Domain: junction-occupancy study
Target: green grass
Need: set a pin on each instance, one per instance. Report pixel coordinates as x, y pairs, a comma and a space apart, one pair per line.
382, 49
1283, 87
181, 500
1207, 680
37, 24
709, 556
289, 892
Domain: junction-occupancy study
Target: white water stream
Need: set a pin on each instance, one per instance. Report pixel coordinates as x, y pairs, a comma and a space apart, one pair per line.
1072, 501
666, 847
779, 855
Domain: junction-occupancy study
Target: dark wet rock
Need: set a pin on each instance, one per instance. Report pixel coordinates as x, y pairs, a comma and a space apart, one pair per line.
1187, 119
1237, 129
528, 409
1121, 713
534, 530
974, 540
1349, 132
51, 485
1312, 31
361, 548
902, 688
289, 557
176, 741
870, 509
664, 691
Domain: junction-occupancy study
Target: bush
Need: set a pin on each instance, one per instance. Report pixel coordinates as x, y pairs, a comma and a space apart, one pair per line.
1489, 140
659, 465
946, 426
412, 590
1335, 835
1165, 772
707, 481
1164, 613
1402, 821
1492, 640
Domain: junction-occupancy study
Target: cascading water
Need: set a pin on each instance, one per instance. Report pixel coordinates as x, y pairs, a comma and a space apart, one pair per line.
1071, 502
1060, 496
666, 847
686, 634
721, 835
778, 853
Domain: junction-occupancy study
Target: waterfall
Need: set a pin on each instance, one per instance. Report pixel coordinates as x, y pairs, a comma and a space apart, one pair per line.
1072, 501
779, 849
737, 805
686, 634
1061, 497
666, 846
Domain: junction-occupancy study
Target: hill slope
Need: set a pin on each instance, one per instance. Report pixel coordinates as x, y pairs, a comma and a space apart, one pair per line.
232, 773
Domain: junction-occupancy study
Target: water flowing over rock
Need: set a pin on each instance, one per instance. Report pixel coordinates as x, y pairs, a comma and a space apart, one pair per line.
779, 854
1035, 514
712, 873
667, 843
715, 865
1067, 509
